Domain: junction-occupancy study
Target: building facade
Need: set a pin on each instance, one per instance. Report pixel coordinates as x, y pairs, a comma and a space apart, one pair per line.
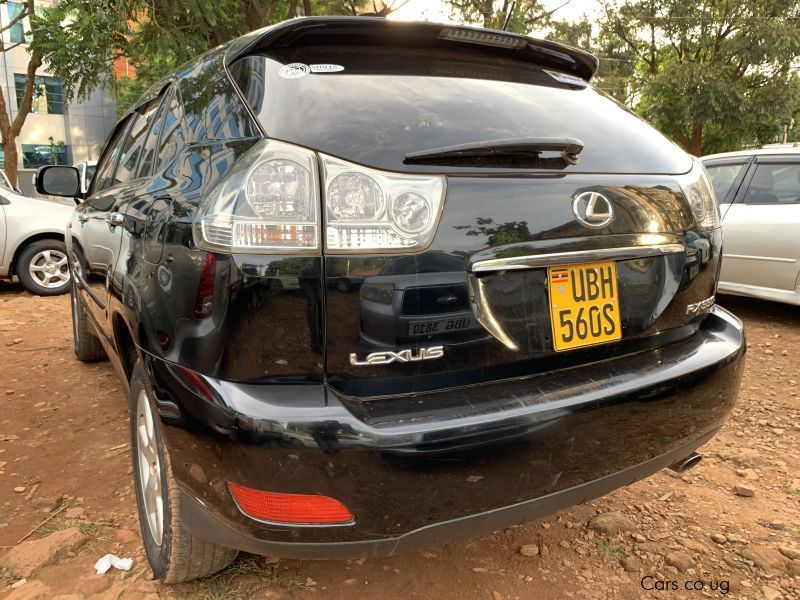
55, 132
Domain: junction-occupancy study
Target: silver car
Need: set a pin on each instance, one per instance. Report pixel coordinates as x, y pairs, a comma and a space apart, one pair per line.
759, 196
32, 241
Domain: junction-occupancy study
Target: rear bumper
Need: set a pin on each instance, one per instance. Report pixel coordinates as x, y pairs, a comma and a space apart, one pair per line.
468, 461
202, 521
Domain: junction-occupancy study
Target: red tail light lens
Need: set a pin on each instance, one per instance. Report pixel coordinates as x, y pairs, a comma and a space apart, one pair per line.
292, 509
205, 289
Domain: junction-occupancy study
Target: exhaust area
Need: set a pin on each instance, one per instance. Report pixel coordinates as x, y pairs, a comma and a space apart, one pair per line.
686, 463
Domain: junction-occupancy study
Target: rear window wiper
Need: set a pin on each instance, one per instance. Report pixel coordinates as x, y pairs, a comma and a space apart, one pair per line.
519, 151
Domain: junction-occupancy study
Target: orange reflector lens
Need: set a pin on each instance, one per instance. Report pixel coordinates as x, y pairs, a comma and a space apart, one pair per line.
303, 509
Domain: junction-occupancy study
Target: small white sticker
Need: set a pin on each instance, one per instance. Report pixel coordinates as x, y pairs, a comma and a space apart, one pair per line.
326, 68
294, 70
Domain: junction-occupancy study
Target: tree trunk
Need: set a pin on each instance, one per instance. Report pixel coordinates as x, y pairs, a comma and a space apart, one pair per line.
10, 159
307, 9
696, 143
292, 9
9, 142
9, 129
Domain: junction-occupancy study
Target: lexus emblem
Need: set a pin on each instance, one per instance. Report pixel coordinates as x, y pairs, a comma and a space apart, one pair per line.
593, 210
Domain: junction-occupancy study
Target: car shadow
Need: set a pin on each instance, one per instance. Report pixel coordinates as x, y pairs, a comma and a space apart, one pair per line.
12, 287
755, 309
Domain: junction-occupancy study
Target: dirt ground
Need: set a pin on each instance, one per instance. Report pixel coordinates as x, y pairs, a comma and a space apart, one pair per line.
726, 528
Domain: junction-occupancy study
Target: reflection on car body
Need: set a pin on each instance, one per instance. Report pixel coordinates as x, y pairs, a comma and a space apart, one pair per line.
418, 300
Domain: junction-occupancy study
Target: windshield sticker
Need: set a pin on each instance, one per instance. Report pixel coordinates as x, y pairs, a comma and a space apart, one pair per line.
325, 68
294, 70
566, 79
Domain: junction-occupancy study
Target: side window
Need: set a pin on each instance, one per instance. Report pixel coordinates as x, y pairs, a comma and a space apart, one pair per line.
151, 144
134, 144
722, 178
774, 183
105, 167
172, 135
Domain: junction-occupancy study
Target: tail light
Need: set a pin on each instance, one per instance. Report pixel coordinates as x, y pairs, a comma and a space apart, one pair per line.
269, 202
205, 289
370, 210
700, 194
290, 509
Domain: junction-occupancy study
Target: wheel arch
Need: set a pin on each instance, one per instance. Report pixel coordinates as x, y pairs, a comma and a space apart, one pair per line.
42, 235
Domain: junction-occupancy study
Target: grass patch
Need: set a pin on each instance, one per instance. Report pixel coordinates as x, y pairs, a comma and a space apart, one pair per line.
226, 584
612, 549
91, 530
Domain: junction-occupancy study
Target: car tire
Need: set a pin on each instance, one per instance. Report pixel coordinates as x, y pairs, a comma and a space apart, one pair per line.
174, 554
86, 344
42, 268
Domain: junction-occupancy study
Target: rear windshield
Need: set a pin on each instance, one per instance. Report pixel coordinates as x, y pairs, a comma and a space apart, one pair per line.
374, 105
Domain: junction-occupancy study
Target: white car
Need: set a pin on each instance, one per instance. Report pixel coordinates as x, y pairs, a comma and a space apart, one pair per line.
32, 241
759, 196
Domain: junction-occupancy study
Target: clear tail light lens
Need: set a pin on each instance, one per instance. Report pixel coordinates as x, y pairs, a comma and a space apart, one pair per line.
267, 202
371, 210
700, 195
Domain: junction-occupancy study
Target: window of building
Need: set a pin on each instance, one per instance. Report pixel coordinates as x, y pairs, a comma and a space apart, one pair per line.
39, 155
48, 94
16, 33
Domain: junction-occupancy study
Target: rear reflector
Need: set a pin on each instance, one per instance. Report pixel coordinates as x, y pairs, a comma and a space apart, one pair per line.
292, 509
205, 289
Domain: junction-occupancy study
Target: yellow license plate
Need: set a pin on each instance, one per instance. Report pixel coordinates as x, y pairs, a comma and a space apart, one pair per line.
584, 305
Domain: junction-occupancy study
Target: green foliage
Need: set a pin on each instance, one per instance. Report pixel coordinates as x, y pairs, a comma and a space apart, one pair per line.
166, 33
713, 75
78, 40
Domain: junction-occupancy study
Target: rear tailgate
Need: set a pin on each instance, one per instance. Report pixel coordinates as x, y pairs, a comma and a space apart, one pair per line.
463, 311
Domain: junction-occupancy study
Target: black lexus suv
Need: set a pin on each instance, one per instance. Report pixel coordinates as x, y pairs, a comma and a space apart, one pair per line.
376, 285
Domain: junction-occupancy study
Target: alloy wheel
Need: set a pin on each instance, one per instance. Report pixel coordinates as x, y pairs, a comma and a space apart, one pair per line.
149, 466
49, 268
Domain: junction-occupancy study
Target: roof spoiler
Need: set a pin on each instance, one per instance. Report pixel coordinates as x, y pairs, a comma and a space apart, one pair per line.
376, 31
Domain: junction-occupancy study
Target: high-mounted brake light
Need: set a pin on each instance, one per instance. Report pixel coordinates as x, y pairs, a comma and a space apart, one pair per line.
485, 38
290, 509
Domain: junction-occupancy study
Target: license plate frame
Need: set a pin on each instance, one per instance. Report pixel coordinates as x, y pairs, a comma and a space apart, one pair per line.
584, 304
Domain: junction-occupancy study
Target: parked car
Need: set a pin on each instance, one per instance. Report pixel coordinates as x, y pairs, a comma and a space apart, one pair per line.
759, 196
86, 171
32, 241
262, 421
